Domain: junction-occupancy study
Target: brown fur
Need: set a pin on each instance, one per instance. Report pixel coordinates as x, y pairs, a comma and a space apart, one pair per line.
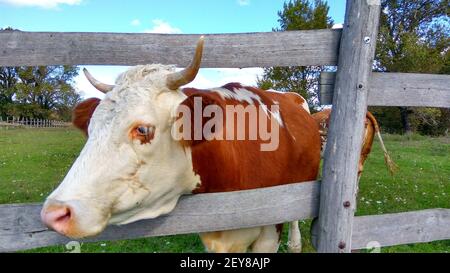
240, 165
371, 128
82, 113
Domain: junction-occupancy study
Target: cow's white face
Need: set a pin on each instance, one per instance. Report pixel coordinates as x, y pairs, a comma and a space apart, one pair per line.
130, 168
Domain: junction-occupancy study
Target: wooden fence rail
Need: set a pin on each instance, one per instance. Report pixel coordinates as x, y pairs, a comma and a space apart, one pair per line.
32, 123
310, 47
21, 228
397, 89
396, 228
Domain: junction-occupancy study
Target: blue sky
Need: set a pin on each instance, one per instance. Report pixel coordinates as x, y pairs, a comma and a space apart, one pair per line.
170, 16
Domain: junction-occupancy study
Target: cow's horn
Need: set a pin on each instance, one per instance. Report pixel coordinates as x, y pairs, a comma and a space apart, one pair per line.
103, 87
177, 79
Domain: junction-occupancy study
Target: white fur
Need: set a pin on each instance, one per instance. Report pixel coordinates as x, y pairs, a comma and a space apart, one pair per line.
244, 95
304, 104
294, 238
239, 94
268, 241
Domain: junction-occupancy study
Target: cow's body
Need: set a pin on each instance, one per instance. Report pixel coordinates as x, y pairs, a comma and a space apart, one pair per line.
144, 151
240, 165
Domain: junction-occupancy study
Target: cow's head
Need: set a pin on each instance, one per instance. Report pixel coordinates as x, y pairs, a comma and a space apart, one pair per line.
130, 168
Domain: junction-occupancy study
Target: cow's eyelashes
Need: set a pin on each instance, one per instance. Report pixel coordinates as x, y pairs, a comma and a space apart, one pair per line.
145, 133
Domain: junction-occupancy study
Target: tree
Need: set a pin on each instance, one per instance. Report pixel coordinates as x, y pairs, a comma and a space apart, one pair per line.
298, 15
45, 85
8, 81
414, 37
38, 92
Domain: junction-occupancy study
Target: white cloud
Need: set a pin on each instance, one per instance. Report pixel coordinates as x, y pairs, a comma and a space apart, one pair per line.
160, 26
338, 26
47, 4
243, 2
135, 22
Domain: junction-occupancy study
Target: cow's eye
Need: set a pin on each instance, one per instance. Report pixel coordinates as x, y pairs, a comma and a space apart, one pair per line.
143, 130
144, 133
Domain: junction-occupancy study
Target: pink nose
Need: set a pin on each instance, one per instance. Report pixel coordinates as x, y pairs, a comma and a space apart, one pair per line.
57, 217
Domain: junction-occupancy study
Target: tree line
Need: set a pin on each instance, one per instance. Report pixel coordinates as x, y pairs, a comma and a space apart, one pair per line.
413, 38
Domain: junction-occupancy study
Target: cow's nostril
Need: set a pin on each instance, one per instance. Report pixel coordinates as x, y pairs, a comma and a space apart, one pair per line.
57, 217
64, 216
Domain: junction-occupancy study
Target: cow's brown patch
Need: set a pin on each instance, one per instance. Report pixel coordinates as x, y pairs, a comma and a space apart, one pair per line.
82, 113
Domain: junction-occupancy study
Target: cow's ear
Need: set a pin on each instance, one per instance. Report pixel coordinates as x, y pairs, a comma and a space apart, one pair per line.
206, 106
82, 113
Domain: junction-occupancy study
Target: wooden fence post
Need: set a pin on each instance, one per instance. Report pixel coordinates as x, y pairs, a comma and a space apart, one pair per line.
339, 183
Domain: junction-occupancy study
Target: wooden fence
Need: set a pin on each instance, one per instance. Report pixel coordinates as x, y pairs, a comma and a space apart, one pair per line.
396, 89
354, 87
32, 123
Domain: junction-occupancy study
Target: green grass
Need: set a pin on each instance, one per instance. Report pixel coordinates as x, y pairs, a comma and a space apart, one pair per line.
34, 161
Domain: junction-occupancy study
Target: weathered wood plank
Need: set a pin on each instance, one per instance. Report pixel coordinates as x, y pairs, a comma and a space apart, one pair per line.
339, 183
311, 47
401, 228
397, 228
326, 87
397, 89
21, 228
402, 89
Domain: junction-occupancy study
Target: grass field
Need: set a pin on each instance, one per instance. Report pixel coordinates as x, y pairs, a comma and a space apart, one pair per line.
34, 161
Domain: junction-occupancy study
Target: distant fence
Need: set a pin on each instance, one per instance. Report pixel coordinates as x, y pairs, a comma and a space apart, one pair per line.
32, 123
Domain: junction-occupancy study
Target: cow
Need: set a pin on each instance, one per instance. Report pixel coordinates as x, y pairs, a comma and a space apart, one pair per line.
371, 129
135, 165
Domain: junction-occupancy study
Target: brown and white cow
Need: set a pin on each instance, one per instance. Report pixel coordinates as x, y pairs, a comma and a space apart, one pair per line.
132, 167
371, 129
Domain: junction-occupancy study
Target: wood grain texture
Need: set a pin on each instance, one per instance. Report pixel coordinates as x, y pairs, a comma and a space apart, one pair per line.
397, 89
310, 47
326, 87
345, 134
21, 228
397, 228
401, 228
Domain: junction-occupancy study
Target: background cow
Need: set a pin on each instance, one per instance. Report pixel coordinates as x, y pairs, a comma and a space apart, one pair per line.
371, 129
132, 168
